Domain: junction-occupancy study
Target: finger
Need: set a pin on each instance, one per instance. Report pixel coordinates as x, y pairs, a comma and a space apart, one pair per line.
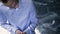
21, 32
24, 33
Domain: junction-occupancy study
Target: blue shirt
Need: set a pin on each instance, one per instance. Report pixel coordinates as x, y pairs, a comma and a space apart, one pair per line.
22, 18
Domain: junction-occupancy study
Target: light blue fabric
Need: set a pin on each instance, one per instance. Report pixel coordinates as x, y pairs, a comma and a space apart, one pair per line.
22, 18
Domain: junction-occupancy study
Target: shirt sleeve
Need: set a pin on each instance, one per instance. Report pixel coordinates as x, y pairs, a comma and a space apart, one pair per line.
33, 19
5, 25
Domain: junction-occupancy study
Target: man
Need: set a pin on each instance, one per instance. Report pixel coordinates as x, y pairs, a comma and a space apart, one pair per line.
21, 16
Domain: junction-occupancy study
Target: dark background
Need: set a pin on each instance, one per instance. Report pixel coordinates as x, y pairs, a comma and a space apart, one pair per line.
45, 8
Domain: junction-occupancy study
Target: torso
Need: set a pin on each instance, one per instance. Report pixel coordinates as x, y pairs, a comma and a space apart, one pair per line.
17, 17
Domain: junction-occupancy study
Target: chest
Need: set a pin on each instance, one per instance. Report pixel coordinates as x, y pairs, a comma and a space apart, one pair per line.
15, 13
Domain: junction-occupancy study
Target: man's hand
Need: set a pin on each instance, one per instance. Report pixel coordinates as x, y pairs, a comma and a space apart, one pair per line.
23, 32
20, 32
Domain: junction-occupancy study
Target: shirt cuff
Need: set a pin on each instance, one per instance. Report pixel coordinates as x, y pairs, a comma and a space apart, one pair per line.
27, 30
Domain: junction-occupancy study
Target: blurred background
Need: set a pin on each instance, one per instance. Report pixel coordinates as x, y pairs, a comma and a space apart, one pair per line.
48, 13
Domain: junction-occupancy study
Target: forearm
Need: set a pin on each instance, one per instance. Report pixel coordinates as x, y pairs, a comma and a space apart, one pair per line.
9, 27
30, 28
